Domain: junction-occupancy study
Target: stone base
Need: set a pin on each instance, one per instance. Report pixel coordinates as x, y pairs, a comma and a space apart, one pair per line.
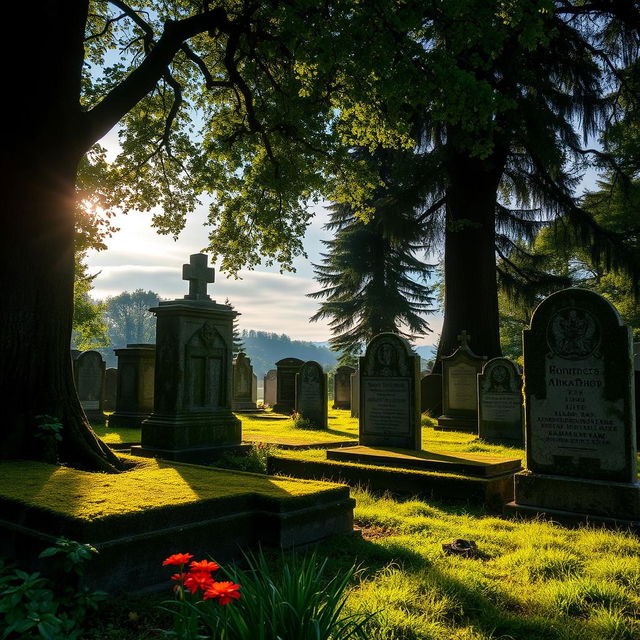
241, 407
128, 419
594, 498
190, 430
131, 546
479, 466
492, 492
457, 423
194, 455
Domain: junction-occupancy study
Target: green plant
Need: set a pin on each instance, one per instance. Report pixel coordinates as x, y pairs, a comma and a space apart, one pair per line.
51, 607
48, 434
297, 602
254, 461
300, 422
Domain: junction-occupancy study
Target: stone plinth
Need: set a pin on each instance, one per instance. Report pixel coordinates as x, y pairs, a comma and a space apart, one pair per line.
286, 384
459, 388
134, 400
342, 387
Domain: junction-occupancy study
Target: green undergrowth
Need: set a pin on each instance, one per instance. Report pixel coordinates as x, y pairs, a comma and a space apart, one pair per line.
88, 496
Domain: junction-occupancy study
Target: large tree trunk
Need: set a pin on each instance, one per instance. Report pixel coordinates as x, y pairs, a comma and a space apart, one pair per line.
471, 295
38, 167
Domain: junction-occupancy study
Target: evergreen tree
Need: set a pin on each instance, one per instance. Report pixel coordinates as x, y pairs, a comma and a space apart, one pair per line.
372, 279
238, 344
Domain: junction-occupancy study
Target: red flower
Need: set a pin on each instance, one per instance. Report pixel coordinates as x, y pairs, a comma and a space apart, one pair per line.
177, 559
204, 565
179, 577
198, 580
225, 592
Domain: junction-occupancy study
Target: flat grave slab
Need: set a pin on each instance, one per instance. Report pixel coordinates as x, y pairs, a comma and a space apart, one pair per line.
467, 464
137, 518
294, 443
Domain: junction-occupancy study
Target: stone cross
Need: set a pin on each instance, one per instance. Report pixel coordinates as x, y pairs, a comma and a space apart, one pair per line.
198, 275
464, 339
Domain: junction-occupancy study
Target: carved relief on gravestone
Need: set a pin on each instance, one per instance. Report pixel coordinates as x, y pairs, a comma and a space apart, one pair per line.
577, 387
459, 388
205, 361
311, 394
390, 394
342, 387
500, 417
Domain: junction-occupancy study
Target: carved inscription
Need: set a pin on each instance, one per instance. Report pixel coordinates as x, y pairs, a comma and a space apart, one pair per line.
462, 386
387, 406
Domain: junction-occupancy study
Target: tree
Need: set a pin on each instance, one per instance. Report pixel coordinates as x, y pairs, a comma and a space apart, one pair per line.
372, 279
89, 327
238, 344
129, 318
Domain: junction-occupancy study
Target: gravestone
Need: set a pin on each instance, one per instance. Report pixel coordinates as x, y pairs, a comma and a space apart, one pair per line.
243, 384
579, 413
460, 388
431, 394
500, 403
270, 387
355, 394
136, 372
89, 378
636, 367
342, 387
286, 384
110, 390
254, 389
192, 419
390, 394
311, 394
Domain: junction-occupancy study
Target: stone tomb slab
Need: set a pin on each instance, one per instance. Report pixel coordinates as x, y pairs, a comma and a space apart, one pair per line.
209, 511
480, 466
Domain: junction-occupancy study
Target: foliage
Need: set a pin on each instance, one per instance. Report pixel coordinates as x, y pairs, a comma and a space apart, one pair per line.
129, 319
238, 344
52, 607
295, 600
89, 327
255, 461
300, 422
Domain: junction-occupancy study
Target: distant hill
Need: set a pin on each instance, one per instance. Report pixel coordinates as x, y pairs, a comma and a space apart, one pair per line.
265, 349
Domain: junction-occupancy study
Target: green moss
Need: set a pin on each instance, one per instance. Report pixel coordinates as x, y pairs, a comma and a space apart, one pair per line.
150, 484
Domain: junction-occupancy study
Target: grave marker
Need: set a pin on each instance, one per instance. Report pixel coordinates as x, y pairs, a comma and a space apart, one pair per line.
242, 384
500, 418
311, 394
286, 384
88, 371
355, 394
431, 394
342, 387
270, 387
110, 389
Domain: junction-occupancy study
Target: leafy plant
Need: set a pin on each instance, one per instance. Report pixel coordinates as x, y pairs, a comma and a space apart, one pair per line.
300, 422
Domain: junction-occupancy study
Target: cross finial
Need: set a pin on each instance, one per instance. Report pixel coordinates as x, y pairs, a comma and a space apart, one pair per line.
464, 338
198, 275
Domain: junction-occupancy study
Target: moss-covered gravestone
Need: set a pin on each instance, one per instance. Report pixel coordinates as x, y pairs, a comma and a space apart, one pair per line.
460, 388
579, 413
286, 384
311, 394
243, 384
342, 387
500, 403
134, 400
88, 371
192, 418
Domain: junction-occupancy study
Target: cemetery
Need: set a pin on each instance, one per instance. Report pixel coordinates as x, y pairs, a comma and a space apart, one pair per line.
416, 414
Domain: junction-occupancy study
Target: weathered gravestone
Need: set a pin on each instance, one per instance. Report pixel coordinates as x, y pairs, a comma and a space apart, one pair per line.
500, 403
243, 384
355, 394
89, 377
390, 394
286, 384
192, 418
270, 387
110, 390
254, 389
136, 371
342, 387
460, 388
311, 394
579, 413
636, 367
431, 394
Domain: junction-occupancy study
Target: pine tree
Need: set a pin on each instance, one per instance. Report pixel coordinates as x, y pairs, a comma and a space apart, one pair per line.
238, 343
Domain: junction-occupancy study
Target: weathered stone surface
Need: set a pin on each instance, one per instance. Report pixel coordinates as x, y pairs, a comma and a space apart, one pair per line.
254, 388
355, 394
578, 398
110, 389
88, 372
636, 367
431, 394
390, 394
136, 370
243, 384
271, 387
500, 412
193, 390
342, 387
286, 384
460, 389
311, 394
